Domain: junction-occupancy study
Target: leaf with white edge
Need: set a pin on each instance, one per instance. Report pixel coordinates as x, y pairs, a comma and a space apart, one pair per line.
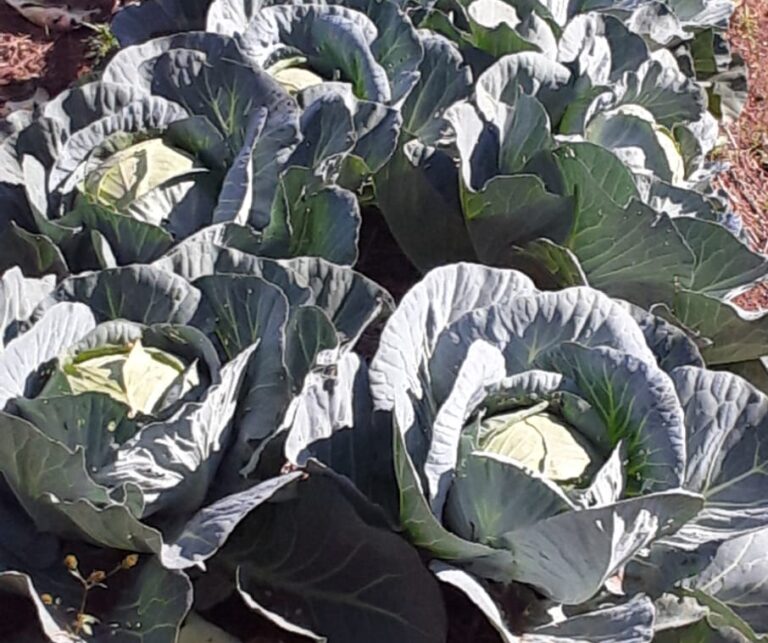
153, 606
236, 197
35, 254
351, 300
239, 310
306, 220
137, 293
417, 190
525, 326
473, 589
444, 79
738, 577
132, 240
754, 371
95, 421
308, 333
550, 265
664, 91
638, 142
727, 462
670, 344
625, 248
224, 87
19, 296
602, 178
724, 332
34, 465
146, 113
724, 621
638, 405
327, 132
372, 137
607, 487
362, 582
334, 40
60, 326
570, 556
512, 210
330, 422
491, 495
536, 74
629, 622
409, 338
210, 527
436, 452
422, 526
724, 265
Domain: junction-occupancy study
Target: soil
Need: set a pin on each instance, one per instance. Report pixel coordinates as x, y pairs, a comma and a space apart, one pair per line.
746, 148
31, 58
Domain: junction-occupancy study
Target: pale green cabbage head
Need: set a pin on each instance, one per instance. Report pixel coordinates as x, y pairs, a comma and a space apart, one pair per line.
136, 375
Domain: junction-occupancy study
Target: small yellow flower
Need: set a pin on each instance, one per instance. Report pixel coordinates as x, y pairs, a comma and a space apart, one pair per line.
97, 576
47, 599
84, 623
131, 560
70, 562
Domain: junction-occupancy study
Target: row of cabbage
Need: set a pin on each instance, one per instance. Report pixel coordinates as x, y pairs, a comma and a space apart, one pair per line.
563, 436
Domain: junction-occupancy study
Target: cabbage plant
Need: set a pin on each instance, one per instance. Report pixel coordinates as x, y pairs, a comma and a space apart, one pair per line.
365, 53
567, 443
694, 33
177, 134
349, 64
565, 171
134, 401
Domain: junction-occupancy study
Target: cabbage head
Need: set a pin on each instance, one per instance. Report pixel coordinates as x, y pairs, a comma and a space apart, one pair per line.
564, 442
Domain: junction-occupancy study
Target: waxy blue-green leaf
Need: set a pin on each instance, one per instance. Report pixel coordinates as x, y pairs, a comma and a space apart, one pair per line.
409, 339
19, 296
135, 24
137, 293
61, 326
492, 495
308, 220
86, 509
367, 583
738, 577
628, 250
726, 460
342, 35
638, 405
570, 556
210, 527
725, 333
432, 192
173, 462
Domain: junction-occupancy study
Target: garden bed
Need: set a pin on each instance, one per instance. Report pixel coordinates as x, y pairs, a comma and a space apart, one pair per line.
389, 322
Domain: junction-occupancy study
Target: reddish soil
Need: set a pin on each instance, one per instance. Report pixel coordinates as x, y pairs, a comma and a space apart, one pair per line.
31, 58
747, 139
